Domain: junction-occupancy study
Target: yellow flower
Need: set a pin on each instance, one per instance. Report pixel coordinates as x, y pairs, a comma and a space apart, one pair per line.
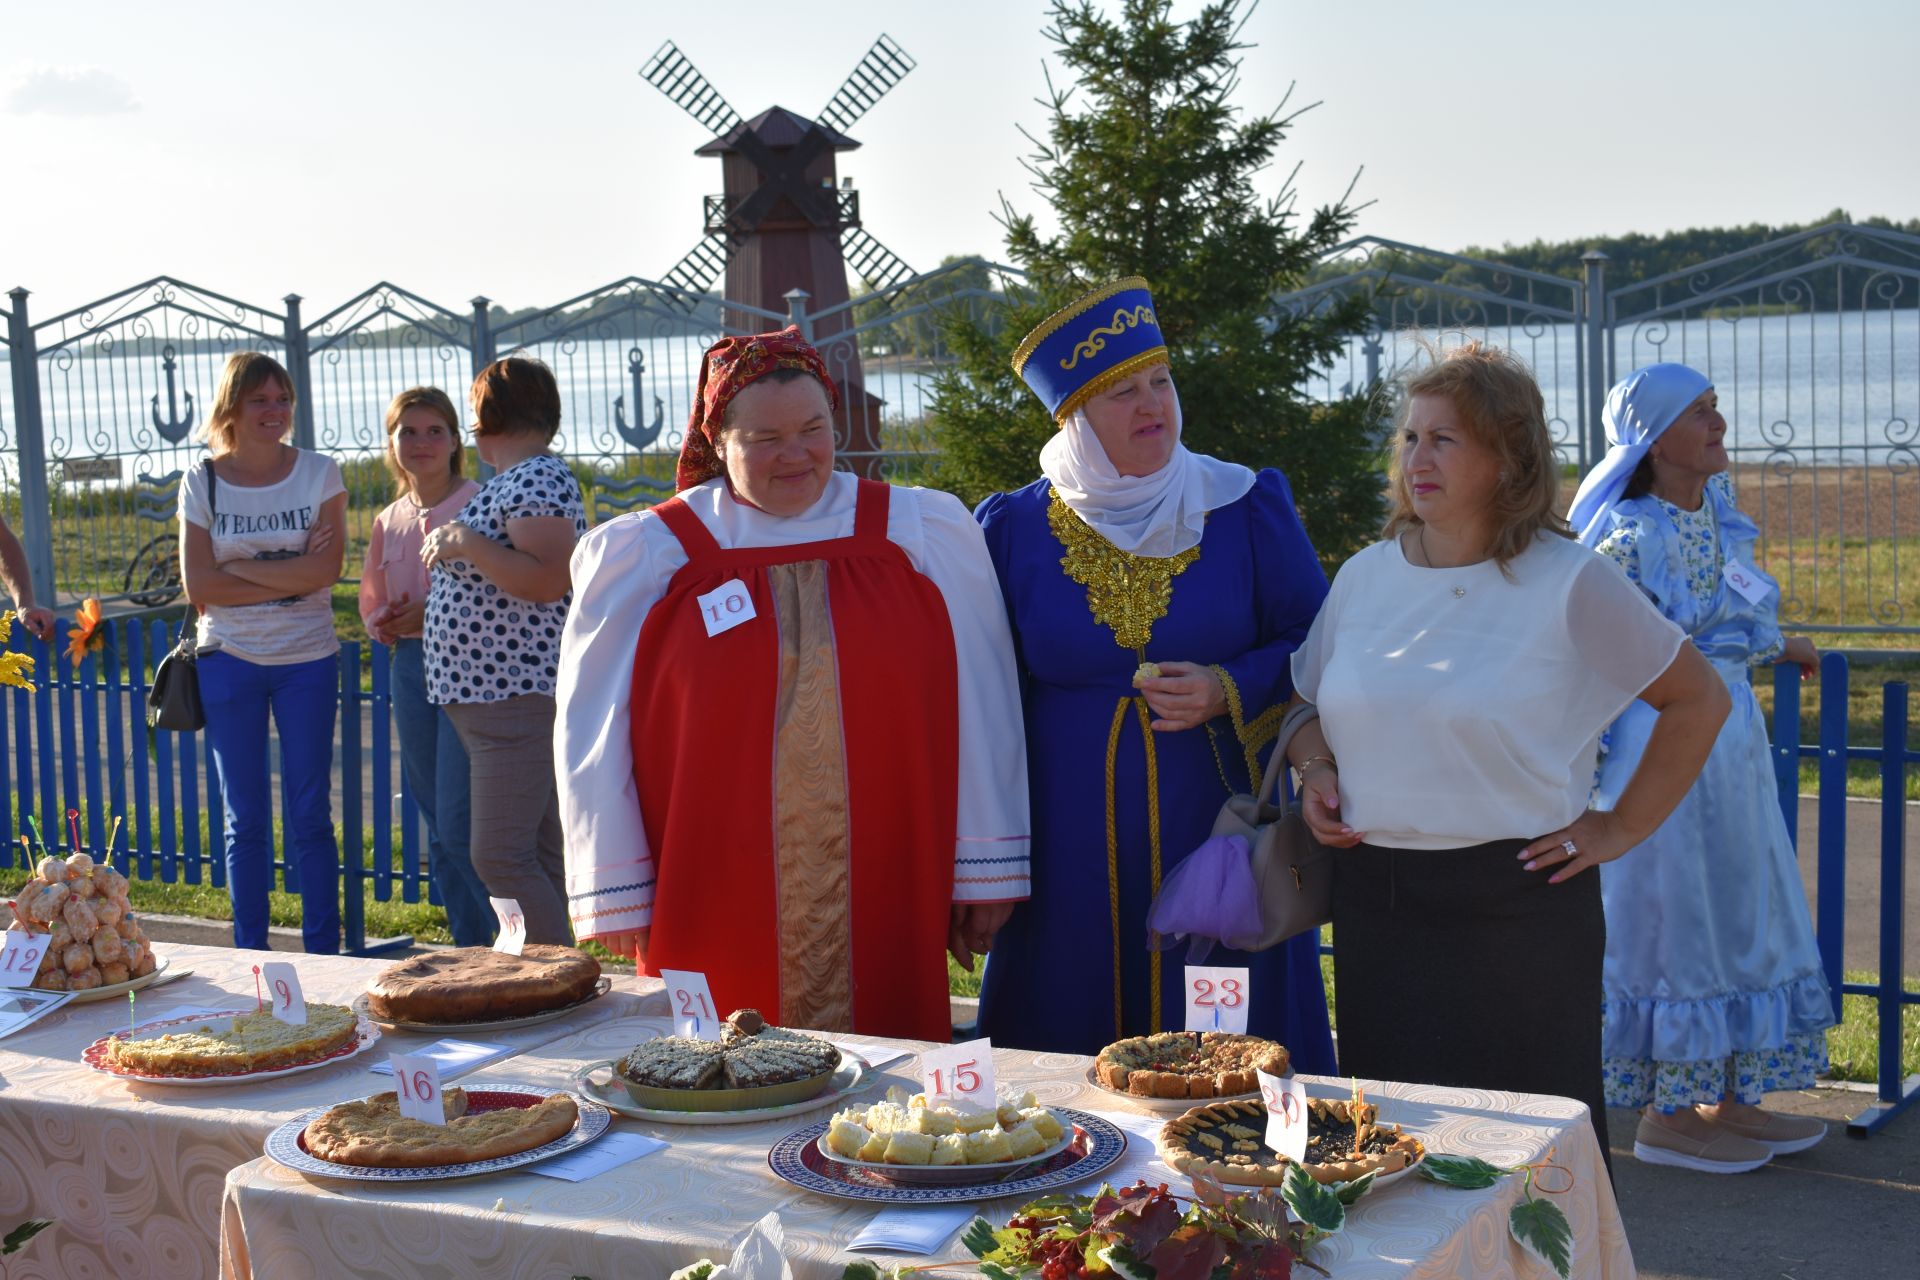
89, 632
15, 669
6, 625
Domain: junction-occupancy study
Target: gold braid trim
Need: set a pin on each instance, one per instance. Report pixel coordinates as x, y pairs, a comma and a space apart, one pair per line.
1119, 373
1153, 844
1253, 734
1126, 592
1113, 861
1059, 319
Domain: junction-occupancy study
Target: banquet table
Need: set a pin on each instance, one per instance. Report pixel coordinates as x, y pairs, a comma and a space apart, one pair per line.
131, 1174
698, 1198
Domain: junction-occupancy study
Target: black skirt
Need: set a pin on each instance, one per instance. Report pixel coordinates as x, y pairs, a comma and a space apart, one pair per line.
1459, 967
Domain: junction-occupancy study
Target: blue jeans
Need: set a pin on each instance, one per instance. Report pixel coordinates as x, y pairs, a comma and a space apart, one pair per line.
437, 773
238, 696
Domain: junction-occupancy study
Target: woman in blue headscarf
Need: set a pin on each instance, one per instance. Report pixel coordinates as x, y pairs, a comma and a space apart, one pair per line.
1714, 992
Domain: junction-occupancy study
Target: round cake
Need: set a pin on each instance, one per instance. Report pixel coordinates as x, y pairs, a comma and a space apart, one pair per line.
255, 1042
1189, 1064
479, 984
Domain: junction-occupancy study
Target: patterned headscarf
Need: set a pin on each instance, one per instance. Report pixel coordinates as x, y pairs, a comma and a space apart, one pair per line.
731, 365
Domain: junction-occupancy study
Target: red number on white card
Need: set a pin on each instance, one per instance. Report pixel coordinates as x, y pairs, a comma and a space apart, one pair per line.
1203, 993
966, 1078
281, 989
416, 1087
688, 1001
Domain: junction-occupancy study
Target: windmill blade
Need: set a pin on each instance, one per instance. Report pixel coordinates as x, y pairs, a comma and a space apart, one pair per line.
670, 71
878, 265
694, 274
885, 65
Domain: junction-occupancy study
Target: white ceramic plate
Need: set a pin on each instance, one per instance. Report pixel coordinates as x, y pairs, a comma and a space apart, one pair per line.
850, 1078
285, 1145
1098, 1146
94, 1055
600, 988
113, 989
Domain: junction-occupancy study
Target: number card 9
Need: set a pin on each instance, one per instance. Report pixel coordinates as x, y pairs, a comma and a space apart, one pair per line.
1217, 999
283, 988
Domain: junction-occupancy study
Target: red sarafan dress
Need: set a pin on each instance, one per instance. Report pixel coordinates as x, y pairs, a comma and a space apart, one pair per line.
797, 777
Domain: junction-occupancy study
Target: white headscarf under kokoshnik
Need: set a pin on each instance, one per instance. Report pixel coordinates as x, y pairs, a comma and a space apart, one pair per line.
1157, 515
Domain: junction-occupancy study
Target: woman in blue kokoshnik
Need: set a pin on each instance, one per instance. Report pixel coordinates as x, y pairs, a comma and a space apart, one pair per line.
1155, 596
1714, 992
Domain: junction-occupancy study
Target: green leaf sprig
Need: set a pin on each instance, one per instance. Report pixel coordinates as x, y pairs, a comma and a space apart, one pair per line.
1538, 1226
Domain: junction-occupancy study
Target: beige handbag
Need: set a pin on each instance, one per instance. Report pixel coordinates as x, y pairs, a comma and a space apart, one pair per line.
1206, 897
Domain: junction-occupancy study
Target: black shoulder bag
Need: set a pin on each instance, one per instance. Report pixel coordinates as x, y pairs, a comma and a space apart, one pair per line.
174, 700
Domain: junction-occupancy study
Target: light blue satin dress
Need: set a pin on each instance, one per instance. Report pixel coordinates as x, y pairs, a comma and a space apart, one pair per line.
1713, 983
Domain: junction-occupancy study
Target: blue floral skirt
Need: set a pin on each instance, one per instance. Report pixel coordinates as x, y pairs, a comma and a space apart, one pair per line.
1743, 1076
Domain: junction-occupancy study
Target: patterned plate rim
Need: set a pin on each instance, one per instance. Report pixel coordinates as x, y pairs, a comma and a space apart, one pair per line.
605, 1095
283, 1144
365, 1034
1107, 1144
145, 980
601, 986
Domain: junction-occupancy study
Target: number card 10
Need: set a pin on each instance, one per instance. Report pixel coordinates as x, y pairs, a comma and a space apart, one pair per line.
416, 1080
960, 1073
1217, 999
691, 1003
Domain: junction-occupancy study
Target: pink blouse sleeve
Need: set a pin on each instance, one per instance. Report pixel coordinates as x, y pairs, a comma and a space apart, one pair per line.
373, 578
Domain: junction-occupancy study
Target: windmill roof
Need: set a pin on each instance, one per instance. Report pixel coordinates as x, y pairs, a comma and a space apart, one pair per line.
777, 127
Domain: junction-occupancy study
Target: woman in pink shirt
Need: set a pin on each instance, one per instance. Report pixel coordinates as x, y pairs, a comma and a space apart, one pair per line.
424, 454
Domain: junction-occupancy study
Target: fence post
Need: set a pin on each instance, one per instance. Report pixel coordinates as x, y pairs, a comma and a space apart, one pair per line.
1786, 745
1598, 376
36, 511
1831, 882
1893, 895
482, 357
797, 300
302, 375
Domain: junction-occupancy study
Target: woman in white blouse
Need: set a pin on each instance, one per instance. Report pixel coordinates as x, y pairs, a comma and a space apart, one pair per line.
790, 747
1464, 669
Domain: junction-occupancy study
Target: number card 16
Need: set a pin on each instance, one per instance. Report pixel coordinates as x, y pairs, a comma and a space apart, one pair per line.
1217, 999
416, 1079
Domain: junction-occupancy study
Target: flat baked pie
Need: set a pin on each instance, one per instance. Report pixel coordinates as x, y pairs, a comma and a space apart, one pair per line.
749, 1055
479, 984
255, 1042
1189, 1064
1227, 1141
372, 1133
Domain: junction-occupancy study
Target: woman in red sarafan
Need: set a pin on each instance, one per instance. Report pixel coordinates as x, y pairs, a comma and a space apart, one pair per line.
790, 747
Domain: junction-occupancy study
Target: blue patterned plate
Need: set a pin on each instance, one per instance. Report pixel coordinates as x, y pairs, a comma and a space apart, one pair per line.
1096, 1147
285, 1145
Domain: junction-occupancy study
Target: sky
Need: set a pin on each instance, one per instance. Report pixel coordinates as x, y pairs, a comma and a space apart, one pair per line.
511, 150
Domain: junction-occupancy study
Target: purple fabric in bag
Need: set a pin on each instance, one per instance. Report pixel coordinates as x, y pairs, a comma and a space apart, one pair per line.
1209, 897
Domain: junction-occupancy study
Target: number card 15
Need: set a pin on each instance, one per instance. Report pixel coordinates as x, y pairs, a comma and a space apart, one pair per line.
691, 1002
416, 1079
960, 1073
1217, 999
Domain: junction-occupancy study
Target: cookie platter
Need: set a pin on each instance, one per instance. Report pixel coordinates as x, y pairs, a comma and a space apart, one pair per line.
288, 1144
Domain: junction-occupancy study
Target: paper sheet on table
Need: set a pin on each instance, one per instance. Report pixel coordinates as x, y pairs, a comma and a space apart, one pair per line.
912, 1230
454, 1057
878, 1056
609, 1151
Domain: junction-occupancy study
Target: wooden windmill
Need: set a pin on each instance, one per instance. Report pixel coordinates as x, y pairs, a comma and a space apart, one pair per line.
783, 220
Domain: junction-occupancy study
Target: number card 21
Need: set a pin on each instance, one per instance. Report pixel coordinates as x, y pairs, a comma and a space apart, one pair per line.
691, 1003
1217, 999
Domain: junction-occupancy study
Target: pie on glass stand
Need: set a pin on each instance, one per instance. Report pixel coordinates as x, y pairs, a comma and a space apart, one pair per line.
1189, 1064
479, 984
1227, 1141
372, 1133
256, 1042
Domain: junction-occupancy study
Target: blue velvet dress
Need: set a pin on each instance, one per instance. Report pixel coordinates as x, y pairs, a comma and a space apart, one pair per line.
1062, 977
1713, 981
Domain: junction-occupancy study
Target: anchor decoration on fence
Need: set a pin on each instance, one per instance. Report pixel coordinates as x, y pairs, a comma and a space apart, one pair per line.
172, 428
634, 433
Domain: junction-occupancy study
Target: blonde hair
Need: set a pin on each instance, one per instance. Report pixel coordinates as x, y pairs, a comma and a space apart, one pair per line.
439, 402
245, 373
1500, 407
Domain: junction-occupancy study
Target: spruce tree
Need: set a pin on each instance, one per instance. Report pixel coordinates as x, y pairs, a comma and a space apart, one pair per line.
1149, 166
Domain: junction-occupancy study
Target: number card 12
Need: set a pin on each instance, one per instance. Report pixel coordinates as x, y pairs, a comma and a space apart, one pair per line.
960, 1073
1217, 999
20, 956
283, 986
691, 1002
416, 1079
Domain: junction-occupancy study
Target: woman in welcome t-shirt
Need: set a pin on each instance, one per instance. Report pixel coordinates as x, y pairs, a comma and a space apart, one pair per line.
261, 543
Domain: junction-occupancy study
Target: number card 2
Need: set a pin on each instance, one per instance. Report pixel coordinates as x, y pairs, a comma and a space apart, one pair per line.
416, 1079
960, 1073
283, 986
1216, 999
691, 1002
20, 956
1286, 1100
725, 607
513, 926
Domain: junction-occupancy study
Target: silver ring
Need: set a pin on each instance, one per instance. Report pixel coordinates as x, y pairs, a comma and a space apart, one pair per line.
1573, 850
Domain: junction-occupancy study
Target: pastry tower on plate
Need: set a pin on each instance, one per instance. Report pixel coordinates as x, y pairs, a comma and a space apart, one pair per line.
96, 940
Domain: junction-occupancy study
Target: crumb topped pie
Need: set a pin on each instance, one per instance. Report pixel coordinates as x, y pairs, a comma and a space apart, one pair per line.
1189, 1064
1227, 1141
749, 1055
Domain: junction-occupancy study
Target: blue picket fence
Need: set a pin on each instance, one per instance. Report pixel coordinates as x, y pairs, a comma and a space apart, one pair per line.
80, 742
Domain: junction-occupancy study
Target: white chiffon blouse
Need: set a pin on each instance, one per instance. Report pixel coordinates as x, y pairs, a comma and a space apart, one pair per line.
1466, 705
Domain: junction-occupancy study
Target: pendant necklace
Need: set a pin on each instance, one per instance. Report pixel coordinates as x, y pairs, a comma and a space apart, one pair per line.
1421, 534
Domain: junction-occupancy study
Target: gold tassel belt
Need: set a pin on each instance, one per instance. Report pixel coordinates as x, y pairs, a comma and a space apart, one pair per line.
1113, 850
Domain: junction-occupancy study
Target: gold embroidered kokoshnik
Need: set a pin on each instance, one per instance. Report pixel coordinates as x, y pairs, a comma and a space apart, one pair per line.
812, 846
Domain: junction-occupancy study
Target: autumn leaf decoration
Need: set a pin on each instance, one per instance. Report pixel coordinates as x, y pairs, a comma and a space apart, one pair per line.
89, 632
16, 669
